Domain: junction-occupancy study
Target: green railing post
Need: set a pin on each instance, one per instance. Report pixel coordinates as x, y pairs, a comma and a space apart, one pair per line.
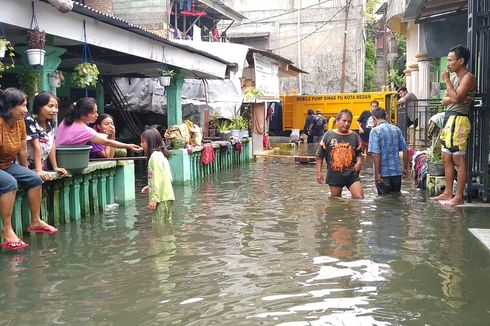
85, 195
75, 198
57, 207
101, 189
94, 197
110, 186
65, 199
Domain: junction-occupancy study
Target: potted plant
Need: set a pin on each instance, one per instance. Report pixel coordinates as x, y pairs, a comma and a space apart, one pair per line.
166, 77
29, 82
36, 43
85, 74
213, 124
435, 165
56, 79
224, 130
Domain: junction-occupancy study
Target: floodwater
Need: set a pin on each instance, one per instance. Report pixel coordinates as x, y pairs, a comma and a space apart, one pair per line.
258, 245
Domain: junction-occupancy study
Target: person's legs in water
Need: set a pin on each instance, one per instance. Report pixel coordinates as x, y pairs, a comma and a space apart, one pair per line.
447, 194
356, 190
335, 191
458, 199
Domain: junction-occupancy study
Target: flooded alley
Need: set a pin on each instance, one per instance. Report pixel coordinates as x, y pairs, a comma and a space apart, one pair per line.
257, 245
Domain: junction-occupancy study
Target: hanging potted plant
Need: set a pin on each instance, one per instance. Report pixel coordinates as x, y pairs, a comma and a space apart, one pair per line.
4, 46
85, 74
166, 77
56, 79
9, 54
36, 43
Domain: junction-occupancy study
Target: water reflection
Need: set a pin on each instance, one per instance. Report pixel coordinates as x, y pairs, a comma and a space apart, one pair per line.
263, 244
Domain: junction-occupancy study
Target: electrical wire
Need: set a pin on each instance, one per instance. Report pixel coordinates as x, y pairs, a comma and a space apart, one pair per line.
314, 32
283, 14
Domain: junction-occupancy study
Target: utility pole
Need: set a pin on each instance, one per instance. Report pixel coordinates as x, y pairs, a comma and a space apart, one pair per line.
344, 50
299, 47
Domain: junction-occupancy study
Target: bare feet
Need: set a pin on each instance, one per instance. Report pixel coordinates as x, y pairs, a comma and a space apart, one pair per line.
42, 227
442, 197
10, 237
453, 202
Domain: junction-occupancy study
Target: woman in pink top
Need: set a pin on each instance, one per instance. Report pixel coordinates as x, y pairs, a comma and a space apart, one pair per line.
73, 130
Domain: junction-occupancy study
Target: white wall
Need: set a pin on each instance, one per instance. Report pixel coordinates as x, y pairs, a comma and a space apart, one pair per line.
321, 53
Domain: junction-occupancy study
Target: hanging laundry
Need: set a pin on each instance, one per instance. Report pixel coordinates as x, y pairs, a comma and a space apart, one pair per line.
207, 154
188, 4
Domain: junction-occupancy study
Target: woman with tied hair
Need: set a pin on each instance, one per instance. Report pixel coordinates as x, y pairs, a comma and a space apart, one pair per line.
73, 130
41, 129
13, 146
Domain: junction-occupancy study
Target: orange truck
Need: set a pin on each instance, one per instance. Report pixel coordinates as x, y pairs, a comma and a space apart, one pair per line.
295, 107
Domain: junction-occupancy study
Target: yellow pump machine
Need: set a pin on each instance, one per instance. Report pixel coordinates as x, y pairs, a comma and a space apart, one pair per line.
295, 107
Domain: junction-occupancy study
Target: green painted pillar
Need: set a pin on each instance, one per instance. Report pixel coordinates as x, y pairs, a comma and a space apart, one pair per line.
124, 187
99, 94
174, 101
180, 164
51, 62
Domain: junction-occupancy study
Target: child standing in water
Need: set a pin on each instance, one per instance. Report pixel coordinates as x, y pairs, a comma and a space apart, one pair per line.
159, 188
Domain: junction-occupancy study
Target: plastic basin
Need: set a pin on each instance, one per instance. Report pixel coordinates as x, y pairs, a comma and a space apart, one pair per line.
73, 158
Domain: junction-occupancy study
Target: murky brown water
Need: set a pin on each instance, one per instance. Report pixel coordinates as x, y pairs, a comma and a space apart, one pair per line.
259, 245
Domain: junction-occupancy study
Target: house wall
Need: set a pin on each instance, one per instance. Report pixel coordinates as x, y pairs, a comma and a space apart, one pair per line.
320, 53
151, 15
104, 6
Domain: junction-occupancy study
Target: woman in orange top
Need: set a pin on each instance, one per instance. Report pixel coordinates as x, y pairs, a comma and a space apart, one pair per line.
13, 145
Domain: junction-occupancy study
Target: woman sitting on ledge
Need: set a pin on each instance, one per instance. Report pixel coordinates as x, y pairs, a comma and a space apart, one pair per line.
40, 135
104, 125
13, 145
73, 130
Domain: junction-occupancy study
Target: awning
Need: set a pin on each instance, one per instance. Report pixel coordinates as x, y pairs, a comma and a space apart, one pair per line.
118, 48
222, 11
428, 10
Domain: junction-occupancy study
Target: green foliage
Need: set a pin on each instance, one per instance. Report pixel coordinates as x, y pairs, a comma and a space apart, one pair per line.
85, 74
252, 95
214, 120
369, 66
396, 76
29, 81
370, 57
167, 73
9, 53
239, 122
224, 126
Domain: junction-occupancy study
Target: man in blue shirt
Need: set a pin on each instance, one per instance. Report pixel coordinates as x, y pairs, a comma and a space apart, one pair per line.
385, 143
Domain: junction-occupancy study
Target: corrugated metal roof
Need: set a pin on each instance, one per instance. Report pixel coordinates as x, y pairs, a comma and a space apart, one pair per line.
120, 23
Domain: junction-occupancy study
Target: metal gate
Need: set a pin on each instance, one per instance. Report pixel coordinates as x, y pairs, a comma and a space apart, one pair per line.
478, 149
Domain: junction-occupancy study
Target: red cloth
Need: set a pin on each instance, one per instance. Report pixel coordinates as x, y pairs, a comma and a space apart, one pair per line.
207, 154
238, 147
